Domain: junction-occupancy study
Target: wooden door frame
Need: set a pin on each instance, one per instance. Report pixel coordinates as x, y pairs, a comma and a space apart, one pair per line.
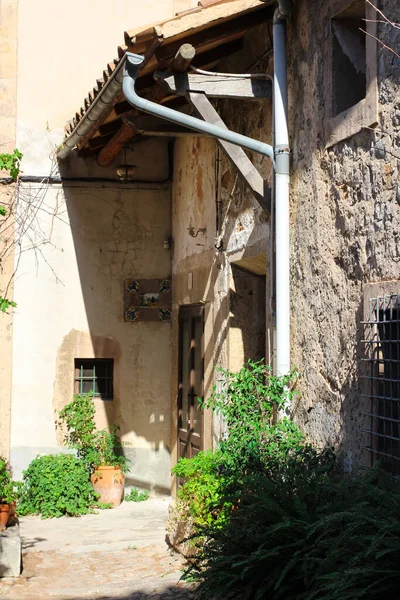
189, 313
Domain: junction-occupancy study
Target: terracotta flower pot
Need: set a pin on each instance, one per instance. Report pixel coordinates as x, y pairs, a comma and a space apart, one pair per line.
109, 483
4, 515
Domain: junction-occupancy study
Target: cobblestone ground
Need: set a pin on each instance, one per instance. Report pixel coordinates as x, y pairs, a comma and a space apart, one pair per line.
115, 555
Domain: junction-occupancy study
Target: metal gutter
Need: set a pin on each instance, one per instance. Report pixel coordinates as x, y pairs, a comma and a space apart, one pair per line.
107, 96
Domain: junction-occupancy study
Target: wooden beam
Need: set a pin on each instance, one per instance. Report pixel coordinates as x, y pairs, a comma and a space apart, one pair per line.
237, 155
181, 62
154, 127
115, 145
183, 58
215, 86
216, 34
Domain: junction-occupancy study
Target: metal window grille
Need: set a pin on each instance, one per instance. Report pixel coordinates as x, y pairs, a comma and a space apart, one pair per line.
95, 375
381, 380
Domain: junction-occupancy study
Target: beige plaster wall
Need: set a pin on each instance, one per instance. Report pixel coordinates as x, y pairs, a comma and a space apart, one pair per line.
8, 94
74, 309
69, 290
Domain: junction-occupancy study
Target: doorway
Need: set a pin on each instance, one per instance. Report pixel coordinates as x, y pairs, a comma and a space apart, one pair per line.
191, 380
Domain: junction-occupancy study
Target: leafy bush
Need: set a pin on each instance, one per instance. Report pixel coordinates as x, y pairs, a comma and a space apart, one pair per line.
307, 536
8, 492
56, 485
255, 442
94, 447
249, 404
136, 496
203, 488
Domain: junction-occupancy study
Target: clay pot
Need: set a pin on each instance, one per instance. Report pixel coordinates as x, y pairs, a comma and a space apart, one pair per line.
4, 515
11, 515
108, 482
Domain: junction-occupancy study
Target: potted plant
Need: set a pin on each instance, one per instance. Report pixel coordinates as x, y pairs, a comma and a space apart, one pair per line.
8, 496
99, 450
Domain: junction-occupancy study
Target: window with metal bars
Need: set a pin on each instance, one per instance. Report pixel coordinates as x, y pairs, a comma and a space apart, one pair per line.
382, 380
96, 375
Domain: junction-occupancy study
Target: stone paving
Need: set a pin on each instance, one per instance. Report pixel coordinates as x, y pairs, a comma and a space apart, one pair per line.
117, 554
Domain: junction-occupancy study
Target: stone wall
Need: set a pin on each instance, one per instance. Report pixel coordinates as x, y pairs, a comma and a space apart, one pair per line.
345, 219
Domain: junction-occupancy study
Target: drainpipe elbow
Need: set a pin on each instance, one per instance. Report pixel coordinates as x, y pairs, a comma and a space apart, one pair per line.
283, 11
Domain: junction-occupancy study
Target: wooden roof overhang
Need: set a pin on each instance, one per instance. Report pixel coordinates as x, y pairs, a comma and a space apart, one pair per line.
106, 121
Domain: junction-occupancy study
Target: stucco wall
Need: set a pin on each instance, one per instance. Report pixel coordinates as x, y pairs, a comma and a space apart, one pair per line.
98, 237
8, 96
70, 288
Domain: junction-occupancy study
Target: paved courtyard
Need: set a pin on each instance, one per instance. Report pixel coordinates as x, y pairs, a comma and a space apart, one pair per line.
117, 554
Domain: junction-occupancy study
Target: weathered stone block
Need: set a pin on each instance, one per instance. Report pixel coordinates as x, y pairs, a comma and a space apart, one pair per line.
10, 552
180, 530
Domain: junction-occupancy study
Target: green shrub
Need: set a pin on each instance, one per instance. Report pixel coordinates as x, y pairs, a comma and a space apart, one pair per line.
307, 535
249, 403
93, 447
203, 488
56, 485
255, 442
8, 491
136, 496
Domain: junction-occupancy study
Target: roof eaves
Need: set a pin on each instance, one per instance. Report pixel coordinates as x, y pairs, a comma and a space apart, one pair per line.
146, 40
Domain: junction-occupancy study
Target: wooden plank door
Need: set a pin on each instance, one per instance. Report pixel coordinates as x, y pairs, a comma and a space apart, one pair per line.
191, 380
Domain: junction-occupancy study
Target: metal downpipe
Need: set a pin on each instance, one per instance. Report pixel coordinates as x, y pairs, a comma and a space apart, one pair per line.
131, 70
282, 180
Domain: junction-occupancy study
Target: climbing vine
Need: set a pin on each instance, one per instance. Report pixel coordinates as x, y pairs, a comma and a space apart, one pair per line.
11, 164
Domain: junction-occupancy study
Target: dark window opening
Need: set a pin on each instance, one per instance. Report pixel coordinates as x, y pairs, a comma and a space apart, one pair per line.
349, 84
382, 342
95, 375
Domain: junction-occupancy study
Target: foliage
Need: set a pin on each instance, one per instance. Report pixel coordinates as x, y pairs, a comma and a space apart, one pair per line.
108, 447
94, 447
11, 163
203, 487
8, 491
307, 535
56, 485
5, 304
249, 404
136, 496
255, 442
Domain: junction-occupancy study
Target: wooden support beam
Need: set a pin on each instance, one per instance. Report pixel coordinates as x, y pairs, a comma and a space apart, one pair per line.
180, 64
154, 127
237, 155
215, 35
215, 86
183, 58
115, 145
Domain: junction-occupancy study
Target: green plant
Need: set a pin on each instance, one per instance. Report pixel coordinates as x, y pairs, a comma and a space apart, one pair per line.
8, 491
249, 403
56, 485
136, 496
10, 163
93, 447
308, 535
255, 443
203, 487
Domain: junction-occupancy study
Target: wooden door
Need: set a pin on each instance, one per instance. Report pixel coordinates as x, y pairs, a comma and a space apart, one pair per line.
191, 380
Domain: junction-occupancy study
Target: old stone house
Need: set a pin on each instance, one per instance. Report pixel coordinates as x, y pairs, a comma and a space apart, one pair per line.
154, 253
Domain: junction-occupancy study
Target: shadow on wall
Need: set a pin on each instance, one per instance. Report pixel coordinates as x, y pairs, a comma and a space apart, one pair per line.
117, 234
171, 592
